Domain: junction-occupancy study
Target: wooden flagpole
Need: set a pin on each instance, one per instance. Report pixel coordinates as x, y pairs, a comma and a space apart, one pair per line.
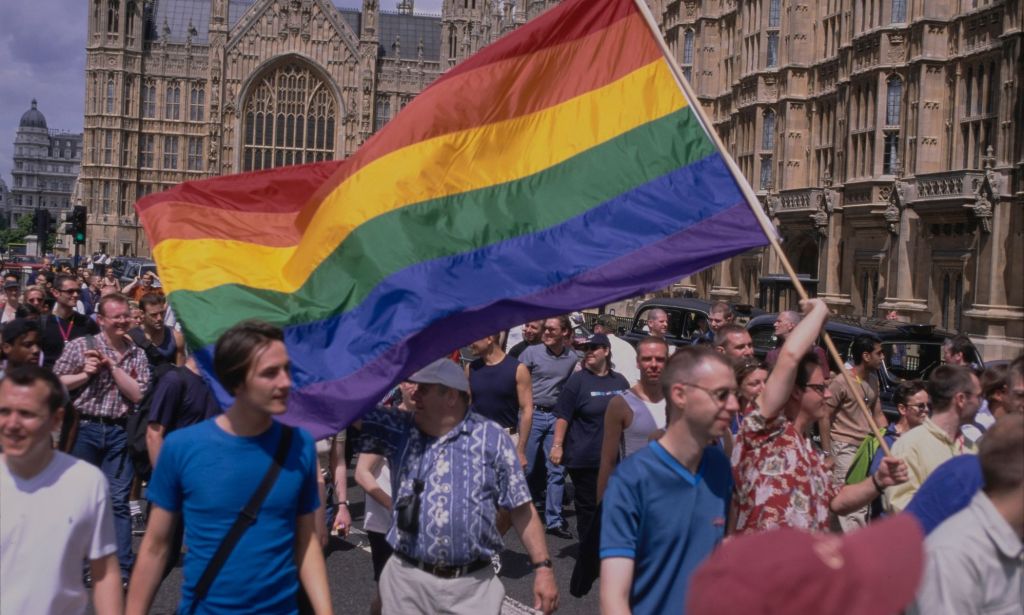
754, 204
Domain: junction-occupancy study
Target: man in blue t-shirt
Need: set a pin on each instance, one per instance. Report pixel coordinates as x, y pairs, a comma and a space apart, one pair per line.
665, 506
207, 473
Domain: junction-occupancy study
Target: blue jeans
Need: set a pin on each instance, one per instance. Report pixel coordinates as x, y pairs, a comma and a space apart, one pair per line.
104, 446
542, 433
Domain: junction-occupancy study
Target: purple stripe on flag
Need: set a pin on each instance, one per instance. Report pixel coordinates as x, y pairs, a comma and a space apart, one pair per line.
326, 407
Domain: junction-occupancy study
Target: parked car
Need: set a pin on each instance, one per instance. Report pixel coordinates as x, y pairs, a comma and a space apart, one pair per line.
126, 268
912, 351
686, 317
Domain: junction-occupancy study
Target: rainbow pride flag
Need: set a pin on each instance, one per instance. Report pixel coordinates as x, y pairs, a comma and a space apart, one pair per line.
559, 168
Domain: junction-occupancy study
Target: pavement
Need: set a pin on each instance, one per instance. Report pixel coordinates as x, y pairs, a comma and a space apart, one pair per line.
350, 572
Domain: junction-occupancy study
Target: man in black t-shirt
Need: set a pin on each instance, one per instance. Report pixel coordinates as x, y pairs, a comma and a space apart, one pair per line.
64, 324
180, 398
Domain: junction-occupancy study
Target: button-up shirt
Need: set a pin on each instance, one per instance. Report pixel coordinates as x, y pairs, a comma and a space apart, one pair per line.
923, 449
100, 397
467, 475
781, 481
973, 566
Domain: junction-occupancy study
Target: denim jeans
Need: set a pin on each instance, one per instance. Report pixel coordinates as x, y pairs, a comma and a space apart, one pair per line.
542, 432
104, 446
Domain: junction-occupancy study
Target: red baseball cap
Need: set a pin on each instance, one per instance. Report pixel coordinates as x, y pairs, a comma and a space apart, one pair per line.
871, 571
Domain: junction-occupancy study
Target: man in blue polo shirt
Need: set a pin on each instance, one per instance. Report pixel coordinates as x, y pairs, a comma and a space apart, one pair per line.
665, 506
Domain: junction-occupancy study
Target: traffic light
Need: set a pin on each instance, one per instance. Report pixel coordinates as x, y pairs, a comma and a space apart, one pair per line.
43, 225
51, 224
78, 222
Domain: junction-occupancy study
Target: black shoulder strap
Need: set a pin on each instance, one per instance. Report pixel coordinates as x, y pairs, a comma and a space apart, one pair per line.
139, 338
245, 519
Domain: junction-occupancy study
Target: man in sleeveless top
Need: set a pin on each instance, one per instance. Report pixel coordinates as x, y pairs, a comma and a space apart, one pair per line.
638, 413
501, 389
162, 345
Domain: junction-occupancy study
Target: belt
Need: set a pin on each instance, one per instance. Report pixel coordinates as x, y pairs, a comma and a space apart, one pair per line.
543, 408
444, 572
103, 420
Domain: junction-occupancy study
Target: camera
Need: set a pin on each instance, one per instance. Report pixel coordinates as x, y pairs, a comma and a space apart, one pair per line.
408, 509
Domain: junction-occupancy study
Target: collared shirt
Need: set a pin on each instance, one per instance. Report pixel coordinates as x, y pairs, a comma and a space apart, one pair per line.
781, 481
667, 520
548, 371
467, 475
974, 565
100, 395
923, 449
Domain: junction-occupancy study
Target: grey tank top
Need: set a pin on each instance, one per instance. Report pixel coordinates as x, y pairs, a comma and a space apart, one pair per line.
647, 417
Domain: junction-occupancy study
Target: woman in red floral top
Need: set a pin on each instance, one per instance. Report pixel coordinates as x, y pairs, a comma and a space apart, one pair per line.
782, 480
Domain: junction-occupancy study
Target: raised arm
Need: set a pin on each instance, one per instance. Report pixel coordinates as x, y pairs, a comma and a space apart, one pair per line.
798, 343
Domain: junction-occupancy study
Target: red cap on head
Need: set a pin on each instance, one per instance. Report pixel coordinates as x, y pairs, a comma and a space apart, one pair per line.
872, 571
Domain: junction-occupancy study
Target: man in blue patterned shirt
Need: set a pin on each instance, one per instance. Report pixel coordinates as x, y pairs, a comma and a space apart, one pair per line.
451, 472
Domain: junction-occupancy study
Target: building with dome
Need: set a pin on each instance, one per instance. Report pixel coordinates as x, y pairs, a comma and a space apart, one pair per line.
882, 137
46, 164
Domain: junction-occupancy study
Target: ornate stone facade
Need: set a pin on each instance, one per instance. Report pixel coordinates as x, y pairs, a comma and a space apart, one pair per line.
878, 134
885, 138
187, 89
46, 165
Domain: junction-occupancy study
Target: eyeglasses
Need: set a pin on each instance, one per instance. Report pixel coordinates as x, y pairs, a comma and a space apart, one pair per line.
70, 291
818, 388
720, 395
919, 407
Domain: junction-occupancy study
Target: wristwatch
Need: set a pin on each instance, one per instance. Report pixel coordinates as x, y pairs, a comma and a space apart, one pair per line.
345, 504
544, 564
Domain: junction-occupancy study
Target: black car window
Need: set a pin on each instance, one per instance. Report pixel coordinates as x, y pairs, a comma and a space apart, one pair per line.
691, 323
911, 360
640, 323
764, 338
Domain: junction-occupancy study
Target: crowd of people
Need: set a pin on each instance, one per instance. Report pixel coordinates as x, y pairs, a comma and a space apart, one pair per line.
703, 479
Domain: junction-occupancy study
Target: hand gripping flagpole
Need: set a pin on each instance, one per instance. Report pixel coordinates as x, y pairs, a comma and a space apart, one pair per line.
754, 204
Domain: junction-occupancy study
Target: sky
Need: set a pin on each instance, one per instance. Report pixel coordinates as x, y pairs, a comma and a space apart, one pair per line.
42, 56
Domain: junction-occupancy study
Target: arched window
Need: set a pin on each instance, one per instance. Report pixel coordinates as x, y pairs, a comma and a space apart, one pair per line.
172, 106
130, 18
768, 131
383, 113
688, 47
110, 95
197, 103
112, 16
774, 13
289, 118
899, 11
893, 97
451, 44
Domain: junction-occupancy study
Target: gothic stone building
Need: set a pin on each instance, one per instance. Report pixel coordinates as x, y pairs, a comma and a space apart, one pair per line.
877, 133
885, 139
185, 89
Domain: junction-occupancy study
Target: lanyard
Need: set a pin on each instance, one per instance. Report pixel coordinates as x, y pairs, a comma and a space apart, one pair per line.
65, 334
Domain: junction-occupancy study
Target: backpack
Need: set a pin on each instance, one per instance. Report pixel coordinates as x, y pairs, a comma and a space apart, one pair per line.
138, 422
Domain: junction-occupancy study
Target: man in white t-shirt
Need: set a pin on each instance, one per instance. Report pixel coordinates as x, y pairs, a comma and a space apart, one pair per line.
56, 512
